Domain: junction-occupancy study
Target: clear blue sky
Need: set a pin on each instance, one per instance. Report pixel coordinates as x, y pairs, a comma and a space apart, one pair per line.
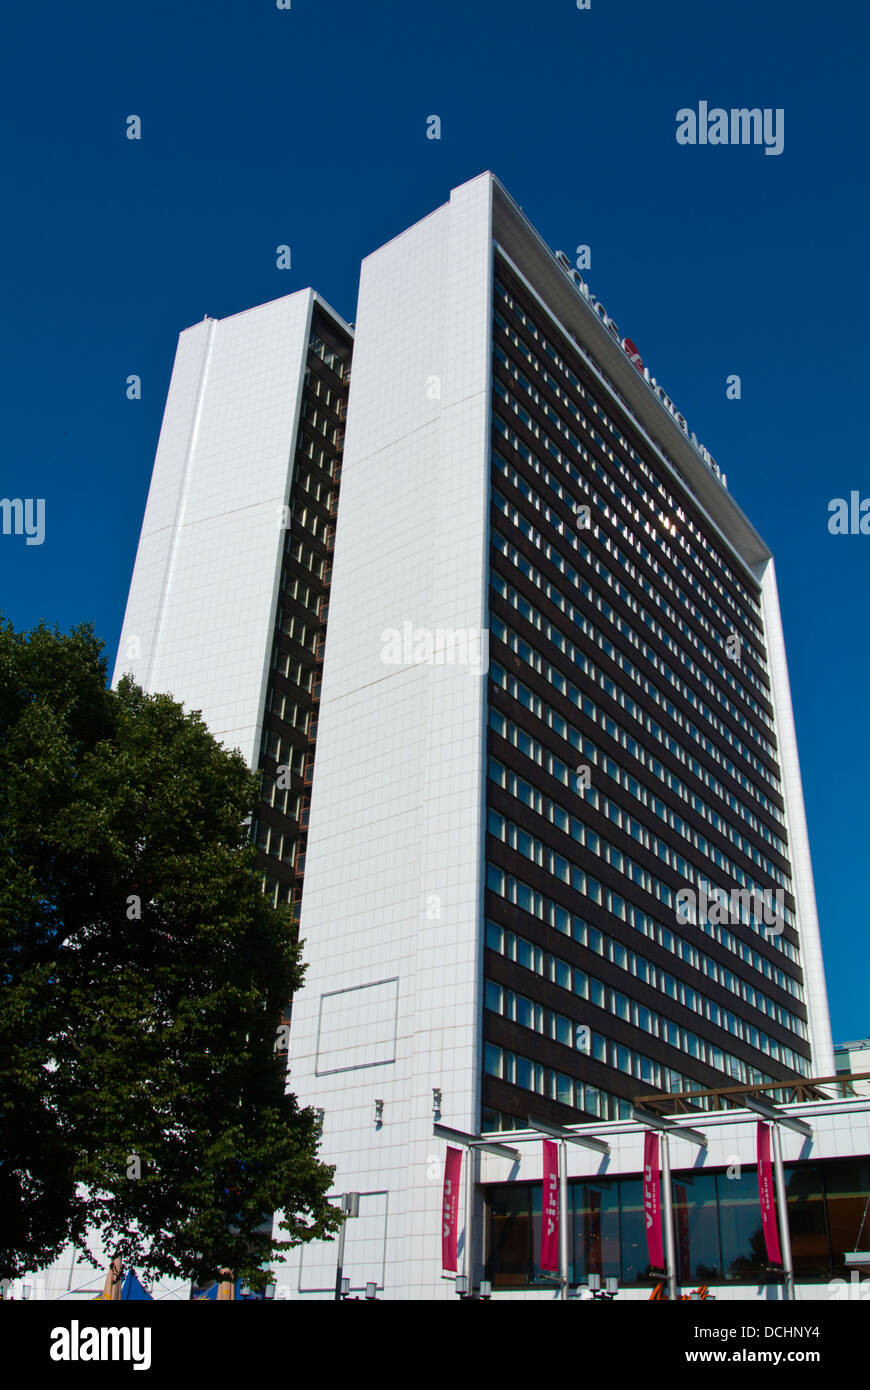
307, 127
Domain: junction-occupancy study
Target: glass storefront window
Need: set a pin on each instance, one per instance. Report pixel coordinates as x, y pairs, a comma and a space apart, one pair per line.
596, 1230
699, 1259
717, 1221
743, 1254
847, 1185
806, 1219
634, 1257
509, 1244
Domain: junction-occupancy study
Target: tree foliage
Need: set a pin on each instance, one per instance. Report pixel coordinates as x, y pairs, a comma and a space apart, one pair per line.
143, 975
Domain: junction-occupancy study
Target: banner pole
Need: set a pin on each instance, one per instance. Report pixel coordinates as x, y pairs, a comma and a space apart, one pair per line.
563, 1217
470, 1177
782, 1209
668, 1216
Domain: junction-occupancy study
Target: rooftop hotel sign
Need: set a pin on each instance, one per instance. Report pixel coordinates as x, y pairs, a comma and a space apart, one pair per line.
634, 356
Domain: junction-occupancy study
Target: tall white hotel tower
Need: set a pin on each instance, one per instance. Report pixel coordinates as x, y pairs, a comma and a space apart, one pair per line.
489, 935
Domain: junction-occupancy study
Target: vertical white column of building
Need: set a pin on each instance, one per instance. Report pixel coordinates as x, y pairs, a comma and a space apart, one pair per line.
448, 996
796, 821
391, 915
146, 600
203, 593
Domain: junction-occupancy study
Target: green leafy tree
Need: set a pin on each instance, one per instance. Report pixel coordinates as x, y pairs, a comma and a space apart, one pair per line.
142, 975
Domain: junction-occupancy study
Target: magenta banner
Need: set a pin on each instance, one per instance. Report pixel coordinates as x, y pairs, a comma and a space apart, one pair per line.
550, 1213
766, 1193
450, 1209
652, 1213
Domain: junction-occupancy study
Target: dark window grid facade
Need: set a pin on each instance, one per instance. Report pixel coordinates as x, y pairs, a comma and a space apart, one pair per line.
605, 868
587, 397
718, 1233
614, 537
540, 545
629, 893
553, 462
640, 969
630, 1059
625, 915
563, 635
601, 866
289, 723
785, 943
674, 665
550, 909
550, 1078
588, 845
609, 654
555, 517
595, 997
601, 1045
578, 549
613, 741
674, 734
547, 1086
630, 798
572, 599
564, 1099
612, 661
582, 608
560, 455
634, 729
558, 544
743, 1040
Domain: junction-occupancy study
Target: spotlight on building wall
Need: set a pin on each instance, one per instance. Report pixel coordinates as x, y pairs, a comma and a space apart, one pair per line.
436, 1102
379, 1113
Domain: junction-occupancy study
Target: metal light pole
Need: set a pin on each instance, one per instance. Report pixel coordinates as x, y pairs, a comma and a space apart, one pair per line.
563, 1217
668, 1216
782, 1211
350, 1207
471, 1165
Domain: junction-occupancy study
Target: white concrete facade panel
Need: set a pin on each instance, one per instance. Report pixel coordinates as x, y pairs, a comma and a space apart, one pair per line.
393, 867
799, 843
202, 597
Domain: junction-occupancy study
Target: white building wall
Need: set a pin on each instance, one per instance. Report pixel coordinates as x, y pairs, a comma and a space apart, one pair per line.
202, 597
798, 836
391, 913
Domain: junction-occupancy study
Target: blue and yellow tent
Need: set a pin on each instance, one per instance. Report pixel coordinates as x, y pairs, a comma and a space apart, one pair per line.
131, 1289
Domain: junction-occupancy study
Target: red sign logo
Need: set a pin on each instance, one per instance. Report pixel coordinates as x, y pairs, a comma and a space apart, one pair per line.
633, 354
